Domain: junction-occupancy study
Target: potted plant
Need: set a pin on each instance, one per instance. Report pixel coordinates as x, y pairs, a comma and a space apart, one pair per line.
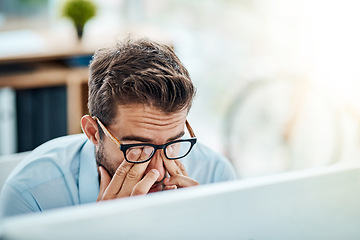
79, 11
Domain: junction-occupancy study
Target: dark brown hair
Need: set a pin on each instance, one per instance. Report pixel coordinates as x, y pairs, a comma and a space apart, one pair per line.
138, 72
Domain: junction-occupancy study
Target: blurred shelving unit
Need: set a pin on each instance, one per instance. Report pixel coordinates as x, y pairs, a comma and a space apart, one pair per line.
50, 80
40, 71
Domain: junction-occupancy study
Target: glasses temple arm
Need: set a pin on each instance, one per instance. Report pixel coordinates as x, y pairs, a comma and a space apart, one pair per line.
191, 131
107, 132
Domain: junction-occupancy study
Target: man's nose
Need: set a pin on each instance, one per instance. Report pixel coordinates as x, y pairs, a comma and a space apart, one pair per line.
157, 162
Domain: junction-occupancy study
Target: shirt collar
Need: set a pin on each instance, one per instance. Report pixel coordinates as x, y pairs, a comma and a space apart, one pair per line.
88, 175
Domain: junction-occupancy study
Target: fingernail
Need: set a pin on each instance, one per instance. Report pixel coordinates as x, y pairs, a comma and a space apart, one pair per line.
155, 171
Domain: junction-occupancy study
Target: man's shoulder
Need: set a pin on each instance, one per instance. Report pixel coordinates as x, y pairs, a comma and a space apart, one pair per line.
59, 147
208, 166
60, 143
202, 156
203, 152
50, 160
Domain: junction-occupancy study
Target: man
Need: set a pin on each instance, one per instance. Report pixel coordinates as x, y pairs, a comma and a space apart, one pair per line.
135, 139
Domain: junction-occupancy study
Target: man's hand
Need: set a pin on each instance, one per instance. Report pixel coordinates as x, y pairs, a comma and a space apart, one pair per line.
127, 181
178, 175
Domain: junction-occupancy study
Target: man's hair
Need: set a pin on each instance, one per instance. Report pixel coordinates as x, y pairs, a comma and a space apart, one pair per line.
138, 72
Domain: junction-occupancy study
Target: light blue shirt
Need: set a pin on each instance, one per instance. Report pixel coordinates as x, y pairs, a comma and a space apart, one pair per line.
63, 172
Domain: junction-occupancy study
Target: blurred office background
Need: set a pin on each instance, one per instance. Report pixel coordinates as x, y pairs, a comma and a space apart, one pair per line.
277, 81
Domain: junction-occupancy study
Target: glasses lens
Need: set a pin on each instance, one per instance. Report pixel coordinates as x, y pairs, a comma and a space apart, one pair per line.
139, 153
177, 149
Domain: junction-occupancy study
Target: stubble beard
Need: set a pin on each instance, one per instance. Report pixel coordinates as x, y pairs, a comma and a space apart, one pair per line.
101, 160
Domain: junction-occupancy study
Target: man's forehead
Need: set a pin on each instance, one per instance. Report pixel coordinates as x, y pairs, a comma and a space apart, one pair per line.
149, 113
137, 122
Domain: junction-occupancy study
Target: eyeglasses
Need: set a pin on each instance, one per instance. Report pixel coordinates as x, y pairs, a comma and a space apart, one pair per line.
143, 152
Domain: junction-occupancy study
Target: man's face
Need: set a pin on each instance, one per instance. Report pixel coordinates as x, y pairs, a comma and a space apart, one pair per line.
140, 124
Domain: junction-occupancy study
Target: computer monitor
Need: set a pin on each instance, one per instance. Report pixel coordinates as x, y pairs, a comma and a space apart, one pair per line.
313, 204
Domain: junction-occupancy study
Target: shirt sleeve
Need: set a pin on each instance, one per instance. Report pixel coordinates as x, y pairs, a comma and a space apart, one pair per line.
224, 171
12, 202
207, 166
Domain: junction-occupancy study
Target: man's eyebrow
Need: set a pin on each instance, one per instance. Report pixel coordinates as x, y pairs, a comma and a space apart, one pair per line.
176, 137
149, 140
136, 139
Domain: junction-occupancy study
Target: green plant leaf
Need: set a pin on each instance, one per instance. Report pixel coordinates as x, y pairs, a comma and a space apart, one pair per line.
79, 11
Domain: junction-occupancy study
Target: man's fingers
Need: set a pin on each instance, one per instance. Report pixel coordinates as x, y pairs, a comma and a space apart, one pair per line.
118, 179
182, 167
128, 174
172, 187
180, 181
172, 167
105, 179
137, 171
132, 178
172, 152
139, 154
146, 183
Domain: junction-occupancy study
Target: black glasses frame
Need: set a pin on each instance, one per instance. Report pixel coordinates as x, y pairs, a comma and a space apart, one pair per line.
125, 147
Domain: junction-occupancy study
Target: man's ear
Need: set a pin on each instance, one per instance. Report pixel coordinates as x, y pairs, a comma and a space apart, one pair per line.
89, 127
